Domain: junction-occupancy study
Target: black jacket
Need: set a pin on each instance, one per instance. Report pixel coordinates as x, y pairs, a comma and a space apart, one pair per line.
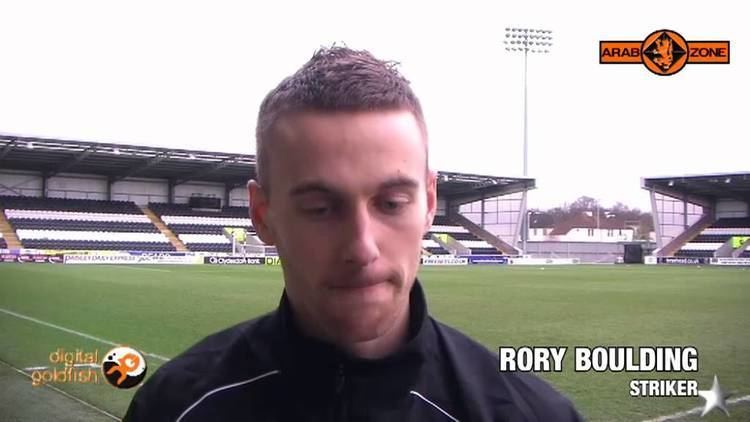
266, 370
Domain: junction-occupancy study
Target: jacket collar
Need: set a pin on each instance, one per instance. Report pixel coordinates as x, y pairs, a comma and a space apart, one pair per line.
317, 366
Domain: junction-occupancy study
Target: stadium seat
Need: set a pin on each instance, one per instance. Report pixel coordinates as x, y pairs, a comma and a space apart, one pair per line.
201, 230
713, 237
462, 235
75, 224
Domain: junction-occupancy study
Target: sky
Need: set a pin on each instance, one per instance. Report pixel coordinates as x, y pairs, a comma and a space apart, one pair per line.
186, 74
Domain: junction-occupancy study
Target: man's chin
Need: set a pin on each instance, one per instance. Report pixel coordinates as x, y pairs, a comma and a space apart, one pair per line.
363, 325
364, 314
357, 334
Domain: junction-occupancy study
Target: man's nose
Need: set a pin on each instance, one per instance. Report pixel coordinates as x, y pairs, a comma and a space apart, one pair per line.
361, 247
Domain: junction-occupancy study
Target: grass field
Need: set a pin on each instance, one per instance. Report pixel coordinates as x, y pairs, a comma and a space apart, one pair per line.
164, 309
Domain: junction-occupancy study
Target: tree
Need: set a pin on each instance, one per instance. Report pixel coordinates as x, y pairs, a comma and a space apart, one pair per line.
559, 213
584, 203
620, 208
645, 227
631, 217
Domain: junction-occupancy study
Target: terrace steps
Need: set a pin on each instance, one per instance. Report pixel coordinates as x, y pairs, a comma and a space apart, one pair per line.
174, 240
8, 233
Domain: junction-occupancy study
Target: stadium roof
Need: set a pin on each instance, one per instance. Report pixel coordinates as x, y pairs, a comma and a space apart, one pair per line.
118, 161
702, 188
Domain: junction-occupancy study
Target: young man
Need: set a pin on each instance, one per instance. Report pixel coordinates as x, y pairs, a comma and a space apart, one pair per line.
345, 194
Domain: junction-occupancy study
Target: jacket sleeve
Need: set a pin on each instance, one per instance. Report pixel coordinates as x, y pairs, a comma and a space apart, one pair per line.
155, 400
136, 410
541, 400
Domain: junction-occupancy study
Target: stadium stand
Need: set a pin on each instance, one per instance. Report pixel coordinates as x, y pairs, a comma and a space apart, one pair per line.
431, 246
8, 237
81, 224
154, 176
203, 231
442, 225
733, 223
708, 241
701, 215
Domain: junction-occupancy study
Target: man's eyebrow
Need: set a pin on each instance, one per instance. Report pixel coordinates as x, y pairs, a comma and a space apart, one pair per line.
312, 187
324, 188
399, 182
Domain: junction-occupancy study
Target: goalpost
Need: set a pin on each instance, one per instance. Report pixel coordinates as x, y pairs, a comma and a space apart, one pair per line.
244, 245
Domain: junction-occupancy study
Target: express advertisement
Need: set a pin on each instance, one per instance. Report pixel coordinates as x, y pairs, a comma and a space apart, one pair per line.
135, 258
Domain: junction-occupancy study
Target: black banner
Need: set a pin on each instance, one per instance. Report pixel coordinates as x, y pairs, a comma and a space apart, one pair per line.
32, 258
233, 260
683, 260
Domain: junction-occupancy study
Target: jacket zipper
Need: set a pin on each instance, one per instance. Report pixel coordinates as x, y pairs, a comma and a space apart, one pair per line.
341, 404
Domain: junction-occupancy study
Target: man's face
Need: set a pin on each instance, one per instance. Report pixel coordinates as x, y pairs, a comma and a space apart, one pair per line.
350, 199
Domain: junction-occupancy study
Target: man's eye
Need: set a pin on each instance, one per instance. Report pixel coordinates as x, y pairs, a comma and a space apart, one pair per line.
394, 204
316, 211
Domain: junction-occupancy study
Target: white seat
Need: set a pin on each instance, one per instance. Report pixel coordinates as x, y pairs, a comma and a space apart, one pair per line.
91, 235
475, 244
448, 229
429, 243
738, 231
698, 246
203, 238
207, 221
76, 216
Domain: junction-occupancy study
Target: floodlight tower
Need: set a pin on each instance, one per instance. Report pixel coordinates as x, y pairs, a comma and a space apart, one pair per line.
527, 40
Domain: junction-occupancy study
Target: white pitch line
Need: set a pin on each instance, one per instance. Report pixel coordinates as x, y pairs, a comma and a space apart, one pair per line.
694, 411
75, 365
78, 333
132, 267
68, 395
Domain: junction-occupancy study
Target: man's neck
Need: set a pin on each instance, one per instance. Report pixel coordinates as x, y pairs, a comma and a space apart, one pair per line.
381, 346
385, 344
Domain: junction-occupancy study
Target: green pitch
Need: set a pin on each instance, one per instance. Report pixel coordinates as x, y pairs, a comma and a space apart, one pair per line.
164, 309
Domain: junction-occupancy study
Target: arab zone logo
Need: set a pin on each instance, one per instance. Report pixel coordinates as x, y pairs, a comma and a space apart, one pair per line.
664, 52
124, 367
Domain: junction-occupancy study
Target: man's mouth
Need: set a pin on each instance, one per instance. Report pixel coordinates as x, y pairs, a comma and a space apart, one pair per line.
358, 284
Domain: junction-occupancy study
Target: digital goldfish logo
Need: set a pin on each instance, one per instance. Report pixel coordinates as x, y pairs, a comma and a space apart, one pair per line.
664, 52
124, 367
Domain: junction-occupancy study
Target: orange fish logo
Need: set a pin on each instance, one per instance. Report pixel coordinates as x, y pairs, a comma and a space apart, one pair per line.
124, 367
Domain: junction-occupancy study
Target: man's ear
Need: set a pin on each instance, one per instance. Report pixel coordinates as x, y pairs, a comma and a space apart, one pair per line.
262, 222
431, 199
